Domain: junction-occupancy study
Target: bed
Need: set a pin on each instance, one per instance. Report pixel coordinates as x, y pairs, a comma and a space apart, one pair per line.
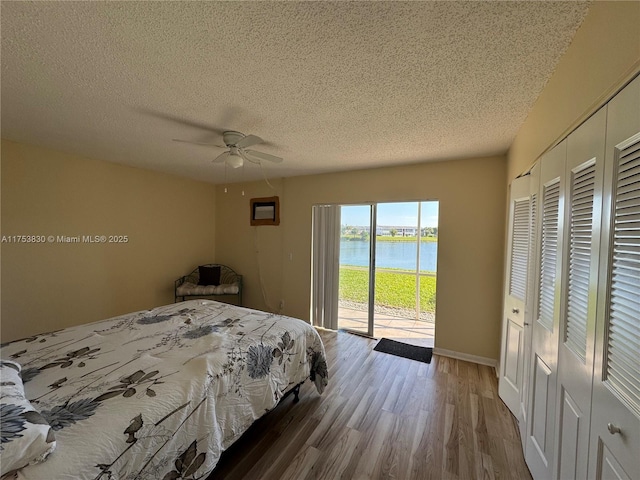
157, 394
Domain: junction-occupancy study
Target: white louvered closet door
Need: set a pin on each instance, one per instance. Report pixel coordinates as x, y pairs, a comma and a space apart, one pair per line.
615, 425
530, 306
583, 207
512, 348
540, 442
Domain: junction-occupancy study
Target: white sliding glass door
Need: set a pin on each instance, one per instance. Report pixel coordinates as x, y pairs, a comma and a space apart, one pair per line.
356, 260
383, 272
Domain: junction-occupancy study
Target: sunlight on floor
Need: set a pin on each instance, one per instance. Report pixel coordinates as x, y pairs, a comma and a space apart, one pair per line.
415, 332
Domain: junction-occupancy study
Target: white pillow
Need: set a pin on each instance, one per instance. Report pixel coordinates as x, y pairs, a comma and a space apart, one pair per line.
26, 437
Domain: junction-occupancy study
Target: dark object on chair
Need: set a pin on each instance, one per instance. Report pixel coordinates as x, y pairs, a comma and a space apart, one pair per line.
209, 275
212, 279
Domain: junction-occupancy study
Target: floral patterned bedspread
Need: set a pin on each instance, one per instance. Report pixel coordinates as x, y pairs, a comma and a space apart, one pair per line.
160, 394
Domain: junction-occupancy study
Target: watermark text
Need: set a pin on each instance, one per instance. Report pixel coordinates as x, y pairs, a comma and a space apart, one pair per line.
65, 239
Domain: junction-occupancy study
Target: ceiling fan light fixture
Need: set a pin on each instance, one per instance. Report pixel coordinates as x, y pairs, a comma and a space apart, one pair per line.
234, 160
237, 153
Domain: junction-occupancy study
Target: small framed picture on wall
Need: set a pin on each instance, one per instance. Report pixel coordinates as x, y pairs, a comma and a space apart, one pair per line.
265, 211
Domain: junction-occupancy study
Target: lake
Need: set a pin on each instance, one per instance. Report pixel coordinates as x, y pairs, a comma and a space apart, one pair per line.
390, 254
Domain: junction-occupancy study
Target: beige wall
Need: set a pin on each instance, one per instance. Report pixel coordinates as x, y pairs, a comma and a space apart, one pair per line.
604, 53
169, 222
470, 249
251, 251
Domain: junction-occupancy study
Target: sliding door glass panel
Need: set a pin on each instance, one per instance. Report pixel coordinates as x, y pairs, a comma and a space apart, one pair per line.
405, 271
355, 271
428, 260
428, 297
397, 257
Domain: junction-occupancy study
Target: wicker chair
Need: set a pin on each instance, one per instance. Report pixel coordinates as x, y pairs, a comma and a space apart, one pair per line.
230, 283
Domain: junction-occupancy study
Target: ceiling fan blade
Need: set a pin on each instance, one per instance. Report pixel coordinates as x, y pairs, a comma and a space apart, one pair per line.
254, 156
221, 158
183, 121
248, 141
199, 143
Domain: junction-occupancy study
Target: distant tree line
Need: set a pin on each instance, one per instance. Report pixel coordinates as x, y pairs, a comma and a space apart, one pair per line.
429, 231
351, 232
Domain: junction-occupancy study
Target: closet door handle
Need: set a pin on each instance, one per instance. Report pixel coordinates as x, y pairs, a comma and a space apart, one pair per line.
515, 310
613, 429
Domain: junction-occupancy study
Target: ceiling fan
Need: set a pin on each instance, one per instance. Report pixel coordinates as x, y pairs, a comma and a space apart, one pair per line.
237, 144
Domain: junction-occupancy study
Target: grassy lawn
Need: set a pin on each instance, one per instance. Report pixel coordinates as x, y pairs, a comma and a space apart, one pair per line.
388, 238
392, 290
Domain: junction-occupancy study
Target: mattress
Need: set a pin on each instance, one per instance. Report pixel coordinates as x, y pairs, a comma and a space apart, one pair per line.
160, 394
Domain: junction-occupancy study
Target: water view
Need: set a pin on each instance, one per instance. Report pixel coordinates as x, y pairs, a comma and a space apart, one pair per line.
400, 255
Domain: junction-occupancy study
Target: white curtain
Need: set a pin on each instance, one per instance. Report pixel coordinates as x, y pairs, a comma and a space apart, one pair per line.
325, 266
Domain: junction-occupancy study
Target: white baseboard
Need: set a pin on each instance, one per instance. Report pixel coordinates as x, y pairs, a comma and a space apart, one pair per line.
466, 357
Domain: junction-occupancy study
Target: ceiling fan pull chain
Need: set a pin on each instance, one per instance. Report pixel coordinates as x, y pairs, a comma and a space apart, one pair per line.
264, 174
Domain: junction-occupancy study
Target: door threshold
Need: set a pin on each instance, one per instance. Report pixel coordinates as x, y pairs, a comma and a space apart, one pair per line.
355, 332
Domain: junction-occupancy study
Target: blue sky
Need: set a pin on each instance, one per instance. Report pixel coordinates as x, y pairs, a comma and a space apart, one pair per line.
403, 214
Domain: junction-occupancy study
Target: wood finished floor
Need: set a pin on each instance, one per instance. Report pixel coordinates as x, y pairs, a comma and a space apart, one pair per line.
380, 417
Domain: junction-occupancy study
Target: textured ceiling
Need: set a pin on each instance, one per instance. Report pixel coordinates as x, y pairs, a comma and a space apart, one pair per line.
331, 85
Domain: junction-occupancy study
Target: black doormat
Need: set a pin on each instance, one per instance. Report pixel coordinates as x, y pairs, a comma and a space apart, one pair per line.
399, 349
